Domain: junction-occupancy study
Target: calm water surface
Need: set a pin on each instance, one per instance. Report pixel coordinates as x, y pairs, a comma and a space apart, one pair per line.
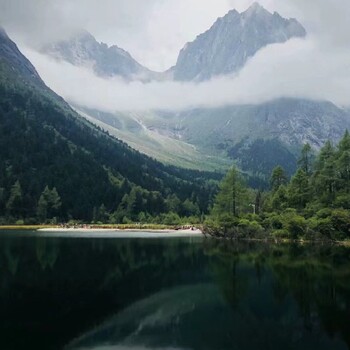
174, 293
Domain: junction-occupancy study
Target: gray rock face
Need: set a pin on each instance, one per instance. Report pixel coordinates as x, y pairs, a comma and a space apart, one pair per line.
292, 121
84, 50
231, 41
12, 56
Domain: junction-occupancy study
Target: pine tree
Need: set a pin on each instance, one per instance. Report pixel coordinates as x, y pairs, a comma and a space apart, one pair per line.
14, 203
306, 159
342, 164
55, 199
278, 178
232, 196
324, 178
299, 190
49, 204
279, 199
42, 208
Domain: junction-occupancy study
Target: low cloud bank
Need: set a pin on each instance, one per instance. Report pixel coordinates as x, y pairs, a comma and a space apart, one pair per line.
299, 68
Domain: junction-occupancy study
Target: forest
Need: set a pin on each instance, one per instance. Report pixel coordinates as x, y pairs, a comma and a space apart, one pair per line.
56, 167
313, 205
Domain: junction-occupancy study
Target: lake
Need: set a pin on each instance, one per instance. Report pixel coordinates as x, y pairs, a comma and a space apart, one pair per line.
174, 293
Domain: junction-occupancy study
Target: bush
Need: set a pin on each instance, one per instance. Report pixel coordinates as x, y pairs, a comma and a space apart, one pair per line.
324, 213
170, 219
295, 224
250, 228
321, 226
340, 220
280, 234
223, 225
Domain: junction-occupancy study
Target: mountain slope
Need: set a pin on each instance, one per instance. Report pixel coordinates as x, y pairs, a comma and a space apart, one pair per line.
83, 50
292, 121
233, 131
129, 127
277, 128
10, 55
231, 41
43, 142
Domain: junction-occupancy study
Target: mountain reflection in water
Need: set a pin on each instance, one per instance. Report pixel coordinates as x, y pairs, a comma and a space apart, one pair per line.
176, 293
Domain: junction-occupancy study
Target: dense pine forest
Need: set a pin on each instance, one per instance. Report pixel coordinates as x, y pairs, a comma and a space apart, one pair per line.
313, 204
60, 168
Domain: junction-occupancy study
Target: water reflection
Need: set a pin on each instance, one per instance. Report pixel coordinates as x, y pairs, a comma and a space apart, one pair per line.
172, 294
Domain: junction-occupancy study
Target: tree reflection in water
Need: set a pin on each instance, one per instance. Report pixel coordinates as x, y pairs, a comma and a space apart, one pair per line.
172, 293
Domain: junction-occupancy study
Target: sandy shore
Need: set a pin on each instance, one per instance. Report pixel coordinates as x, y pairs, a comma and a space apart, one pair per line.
118, 233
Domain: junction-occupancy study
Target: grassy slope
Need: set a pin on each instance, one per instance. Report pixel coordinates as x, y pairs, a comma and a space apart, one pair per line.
129, 128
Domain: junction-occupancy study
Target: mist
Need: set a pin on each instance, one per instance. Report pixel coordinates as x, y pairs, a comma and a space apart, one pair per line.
279, 70
317, 67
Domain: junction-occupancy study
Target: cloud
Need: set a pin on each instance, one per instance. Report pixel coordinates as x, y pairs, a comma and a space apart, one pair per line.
155, 30
280, 70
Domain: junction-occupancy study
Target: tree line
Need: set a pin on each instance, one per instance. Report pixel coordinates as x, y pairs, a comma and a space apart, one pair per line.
313, 204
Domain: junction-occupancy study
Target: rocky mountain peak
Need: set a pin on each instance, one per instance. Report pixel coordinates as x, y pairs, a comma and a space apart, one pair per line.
84, 50
231, 41
255, 8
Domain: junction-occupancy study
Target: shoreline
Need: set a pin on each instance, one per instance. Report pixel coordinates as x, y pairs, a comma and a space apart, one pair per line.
86, 230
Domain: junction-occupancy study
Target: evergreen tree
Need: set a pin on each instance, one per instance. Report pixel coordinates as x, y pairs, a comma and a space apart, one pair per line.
55, 199
258, 202
279, 199
299, 190
14, 203
305, 159
48, 205
232, 196
42, 208
342, 164
278, 178
324, 178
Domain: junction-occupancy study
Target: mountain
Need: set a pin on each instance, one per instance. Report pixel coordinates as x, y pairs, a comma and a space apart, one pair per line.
83, 50
231, 41
293, 121
130, 127
257, 137
12, 57
55, 163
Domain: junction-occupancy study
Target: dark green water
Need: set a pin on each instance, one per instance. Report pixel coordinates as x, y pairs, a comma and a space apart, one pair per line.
181, 293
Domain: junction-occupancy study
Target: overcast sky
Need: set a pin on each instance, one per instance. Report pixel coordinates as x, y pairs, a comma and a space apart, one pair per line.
154, 31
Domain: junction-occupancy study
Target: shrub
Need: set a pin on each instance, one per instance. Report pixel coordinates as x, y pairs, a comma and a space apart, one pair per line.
340, 220
250, 228
295, 224
280, 234
321, 226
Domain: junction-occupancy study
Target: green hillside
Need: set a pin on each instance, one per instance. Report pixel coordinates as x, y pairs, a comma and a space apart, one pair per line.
53, 163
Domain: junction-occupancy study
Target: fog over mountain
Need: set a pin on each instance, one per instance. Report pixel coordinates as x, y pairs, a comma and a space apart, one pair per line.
285, 69
83, 50
251, 78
